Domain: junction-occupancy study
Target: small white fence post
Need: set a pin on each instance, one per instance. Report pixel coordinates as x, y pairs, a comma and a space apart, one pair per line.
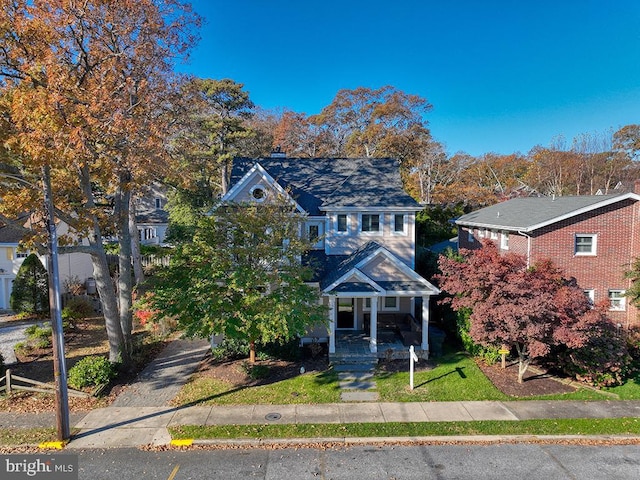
412, 358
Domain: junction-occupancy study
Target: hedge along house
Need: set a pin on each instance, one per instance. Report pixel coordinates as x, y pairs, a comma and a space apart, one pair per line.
594, 239
364, 256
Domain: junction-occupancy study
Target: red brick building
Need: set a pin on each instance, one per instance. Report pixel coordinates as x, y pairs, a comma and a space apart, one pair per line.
594, 239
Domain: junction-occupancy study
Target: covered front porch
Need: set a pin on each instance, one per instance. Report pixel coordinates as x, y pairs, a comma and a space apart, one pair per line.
378, 325
376, 293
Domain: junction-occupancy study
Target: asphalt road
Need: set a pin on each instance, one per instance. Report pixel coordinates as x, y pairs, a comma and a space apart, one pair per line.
531, 462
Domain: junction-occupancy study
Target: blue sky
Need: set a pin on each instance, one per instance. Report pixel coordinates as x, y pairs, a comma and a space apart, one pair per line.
502, 76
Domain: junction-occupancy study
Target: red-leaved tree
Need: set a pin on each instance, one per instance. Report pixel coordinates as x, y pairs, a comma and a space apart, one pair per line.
531, 309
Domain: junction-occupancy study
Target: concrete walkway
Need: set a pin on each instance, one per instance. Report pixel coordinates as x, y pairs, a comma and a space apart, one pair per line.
163, 378
131, 427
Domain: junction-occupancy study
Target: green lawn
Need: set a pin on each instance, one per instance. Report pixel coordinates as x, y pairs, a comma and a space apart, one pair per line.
26, 436
308, 388
456, 377
600, 426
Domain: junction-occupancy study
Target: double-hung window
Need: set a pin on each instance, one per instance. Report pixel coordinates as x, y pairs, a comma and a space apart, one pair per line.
370, 222
617, 300
342, 224
399, 224
504, 241
585, 244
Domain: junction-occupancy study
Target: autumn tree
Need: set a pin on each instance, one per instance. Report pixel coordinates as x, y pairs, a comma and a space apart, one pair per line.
241, 277
627, 141
86, 88
528, 309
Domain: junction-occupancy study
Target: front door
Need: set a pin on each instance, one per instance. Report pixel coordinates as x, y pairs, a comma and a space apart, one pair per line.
345, 314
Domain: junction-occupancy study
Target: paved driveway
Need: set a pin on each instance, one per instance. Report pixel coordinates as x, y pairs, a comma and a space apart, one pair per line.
10, 334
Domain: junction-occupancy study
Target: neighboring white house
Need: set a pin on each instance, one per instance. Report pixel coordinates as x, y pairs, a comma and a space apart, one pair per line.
76, 265
151, 216
365, 225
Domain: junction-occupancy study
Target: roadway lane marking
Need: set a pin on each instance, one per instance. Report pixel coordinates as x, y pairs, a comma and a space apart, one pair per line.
174, 472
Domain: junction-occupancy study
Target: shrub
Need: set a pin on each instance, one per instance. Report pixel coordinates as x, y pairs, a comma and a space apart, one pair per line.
490, 355
604, 361
31, 287
231, 348
38, 336
91, 371
22, 348
76, 309
255, 371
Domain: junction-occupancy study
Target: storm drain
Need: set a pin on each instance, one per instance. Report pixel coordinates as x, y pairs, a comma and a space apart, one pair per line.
272, 417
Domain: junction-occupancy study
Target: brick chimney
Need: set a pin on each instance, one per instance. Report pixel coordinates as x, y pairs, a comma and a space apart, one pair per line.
278, 153
636, 187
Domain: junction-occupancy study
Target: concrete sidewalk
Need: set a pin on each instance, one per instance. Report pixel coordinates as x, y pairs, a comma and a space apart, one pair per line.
131, 427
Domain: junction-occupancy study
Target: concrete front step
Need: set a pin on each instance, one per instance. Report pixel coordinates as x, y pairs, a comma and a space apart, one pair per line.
359, 396
354, 359
357, 385
354, 367
351, 376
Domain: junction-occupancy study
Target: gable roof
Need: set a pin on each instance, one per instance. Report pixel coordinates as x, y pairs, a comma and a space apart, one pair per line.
10, 234
530, 213
340, 279
320, 184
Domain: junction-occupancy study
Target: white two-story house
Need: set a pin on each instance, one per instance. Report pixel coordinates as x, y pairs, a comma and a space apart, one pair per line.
365, 226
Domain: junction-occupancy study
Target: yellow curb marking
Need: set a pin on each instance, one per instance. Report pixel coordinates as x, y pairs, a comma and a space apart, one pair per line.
173, 473
56, 445
183, 442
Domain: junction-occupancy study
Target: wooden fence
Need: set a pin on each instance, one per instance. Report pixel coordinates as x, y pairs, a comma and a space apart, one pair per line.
11, 382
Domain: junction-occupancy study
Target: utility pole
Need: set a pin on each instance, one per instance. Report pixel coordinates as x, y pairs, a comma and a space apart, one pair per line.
59, 361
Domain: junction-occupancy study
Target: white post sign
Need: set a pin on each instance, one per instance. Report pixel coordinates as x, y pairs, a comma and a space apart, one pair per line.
412, 358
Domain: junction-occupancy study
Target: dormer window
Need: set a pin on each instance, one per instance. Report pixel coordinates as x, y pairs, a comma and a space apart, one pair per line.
258, 193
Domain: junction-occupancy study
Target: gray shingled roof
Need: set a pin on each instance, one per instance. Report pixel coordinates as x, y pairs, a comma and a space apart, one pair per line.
319, 183
348, 263
530, 213
10, 234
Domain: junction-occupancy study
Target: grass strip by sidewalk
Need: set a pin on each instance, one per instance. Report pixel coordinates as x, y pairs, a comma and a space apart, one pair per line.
16, 436
590, 426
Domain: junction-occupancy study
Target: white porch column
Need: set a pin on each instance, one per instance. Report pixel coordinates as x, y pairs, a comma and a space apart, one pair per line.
332, 324
373, 341
413, 307
425, 323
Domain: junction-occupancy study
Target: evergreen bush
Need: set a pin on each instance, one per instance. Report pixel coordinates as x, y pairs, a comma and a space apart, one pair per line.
30, 292
91, 371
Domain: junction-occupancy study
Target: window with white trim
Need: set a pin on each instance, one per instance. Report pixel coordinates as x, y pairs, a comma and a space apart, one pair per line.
342, 223
367, 304
504, 241
399, 224
258, 193
585, 244
314, 233
390, 303
590, 293
494, 235
158, 203
370, 223
617, 300
22, 253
